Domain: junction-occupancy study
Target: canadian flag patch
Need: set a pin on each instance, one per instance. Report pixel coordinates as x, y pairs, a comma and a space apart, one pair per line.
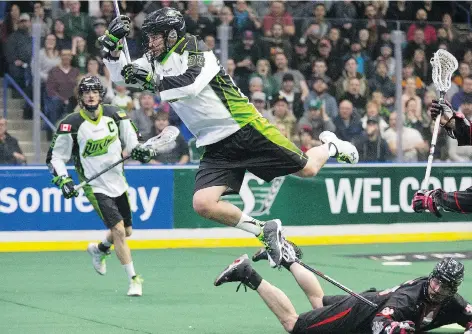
66, 127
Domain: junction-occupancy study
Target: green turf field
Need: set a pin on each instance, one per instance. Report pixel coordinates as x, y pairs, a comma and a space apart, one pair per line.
59, 292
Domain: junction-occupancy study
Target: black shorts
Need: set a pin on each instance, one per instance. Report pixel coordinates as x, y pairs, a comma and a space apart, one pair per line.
343, 315
112, 210
258, 147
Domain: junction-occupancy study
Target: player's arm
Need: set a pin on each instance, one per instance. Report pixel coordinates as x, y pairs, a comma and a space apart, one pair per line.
455, 123
461, 313
58, 155
199, 67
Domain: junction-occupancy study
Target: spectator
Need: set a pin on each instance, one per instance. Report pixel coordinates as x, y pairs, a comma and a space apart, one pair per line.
282, 115
244, 19
428, 98
93, 67
307, 140
75, 22
465, 94
282, 68
409, 72
278, 14
293, 98
319, 13
333, 61
346, 12
277, 43
39, 17
319, 70
339, 46
377, 97
421, 66
263, 71
60, 86
348, 124
245, 55
121, 99
142, 118
434, 11
350, 71
93, 45
464, 71
386, 56
10, 151
370, 145
79, 54
409, 92
302, 60
364, 63
317, 120
414, 118
412, 142
258, 99
451, 30
312, 36
353, 95
196, 24
364, 40
230, 69
107, 10
18, 52
62, 41
255, 85
48, 58
421, 23
374, 22
176, 153
399, 11
225, 17
418, 42
11, 23
320, 92
380, 81
373, 111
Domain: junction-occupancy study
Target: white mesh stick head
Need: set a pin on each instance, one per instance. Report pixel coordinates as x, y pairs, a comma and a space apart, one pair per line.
444, 64
168, 135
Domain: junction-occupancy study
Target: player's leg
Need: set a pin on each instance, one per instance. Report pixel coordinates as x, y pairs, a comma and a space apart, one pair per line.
210, 185
241, 271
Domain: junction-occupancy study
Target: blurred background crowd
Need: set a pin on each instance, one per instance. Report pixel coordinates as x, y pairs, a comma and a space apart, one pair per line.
307, 66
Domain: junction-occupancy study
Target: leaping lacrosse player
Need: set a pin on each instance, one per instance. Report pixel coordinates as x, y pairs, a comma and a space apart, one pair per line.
94, 137
234, 134
419, 305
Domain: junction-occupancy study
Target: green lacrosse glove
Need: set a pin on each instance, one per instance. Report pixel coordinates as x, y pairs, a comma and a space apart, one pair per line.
134, 74
142, 154
66, 184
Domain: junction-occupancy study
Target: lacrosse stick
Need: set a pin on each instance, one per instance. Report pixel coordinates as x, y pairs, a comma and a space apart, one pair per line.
167, 136
125, 44
443, 65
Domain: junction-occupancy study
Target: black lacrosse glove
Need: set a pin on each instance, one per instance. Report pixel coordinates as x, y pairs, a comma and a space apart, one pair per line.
142, 154
118, 28
445, 109
134, 74
66, 184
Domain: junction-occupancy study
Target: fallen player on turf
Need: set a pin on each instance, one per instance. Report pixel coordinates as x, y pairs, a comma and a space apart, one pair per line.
418, 305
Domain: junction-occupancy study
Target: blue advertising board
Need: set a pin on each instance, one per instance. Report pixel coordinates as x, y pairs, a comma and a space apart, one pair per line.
29, 201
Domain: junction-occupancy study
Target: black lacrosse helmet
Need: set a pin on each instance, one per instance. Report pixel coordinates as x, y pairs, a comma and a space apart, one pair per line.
87, 84
166, 21
450, 273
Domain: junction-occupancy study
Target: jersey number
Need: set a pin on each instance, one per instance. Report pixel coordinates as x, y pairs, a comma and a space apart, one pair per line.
196, 60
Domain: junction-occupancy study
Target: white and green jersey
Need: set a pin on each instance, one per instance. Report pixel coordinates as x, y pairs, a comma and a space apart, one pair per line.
94, 145
198, 88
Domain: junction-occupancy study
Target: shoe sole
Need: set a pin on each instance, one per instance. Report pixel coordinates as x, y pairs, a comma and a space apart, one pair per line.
92, 255
272, 263
341, 157
230, 267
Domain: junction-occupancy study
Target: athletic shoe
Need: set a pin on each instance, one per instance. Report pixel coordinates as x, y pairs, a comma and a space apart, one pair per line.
347, 153
272, 239
237, 271
98, 258
290, 252
136, 286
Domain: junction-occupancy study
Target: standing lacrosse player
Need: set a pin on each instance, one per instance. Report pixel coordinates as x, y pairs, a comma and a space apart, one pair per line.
94, 138
233, 133
457, 127
419, 305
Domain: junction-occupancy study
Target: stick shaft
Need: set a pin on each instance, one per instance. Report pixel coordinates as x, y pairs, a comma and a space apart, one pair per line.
337, 284
125, 44
87, 181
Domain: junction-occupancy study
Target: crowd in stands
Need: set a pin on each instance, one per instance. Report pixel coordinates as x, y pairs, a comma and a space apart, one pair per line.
307, 66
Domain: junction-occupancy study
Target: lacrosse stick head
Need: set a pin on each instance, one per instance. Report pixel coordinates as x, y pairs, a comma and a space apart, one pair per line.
443, 64
165, 141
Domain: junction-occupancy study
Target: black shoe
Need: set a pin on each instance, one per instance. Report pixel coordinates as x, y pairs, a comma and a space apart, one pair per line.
272, 239
238, 271
287, 253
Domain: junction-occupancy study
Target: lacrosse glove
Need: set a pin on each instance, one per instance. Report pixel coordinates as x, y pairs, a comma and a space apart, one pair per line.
142, 154
118, 28
66, 184
134, 74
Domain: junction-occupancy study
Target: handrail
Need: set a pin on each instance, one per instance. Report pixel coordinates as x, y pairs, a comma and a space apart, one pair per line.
9, 80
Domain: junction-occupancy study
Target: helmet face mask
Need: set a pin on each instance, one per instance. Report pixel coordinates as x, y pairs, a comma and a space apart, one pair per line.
445, 279
90, 94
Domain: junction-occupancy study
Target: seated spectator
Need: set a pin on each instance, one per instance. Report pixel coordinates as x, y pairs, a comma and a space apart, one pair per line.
122, 99
258, 99
421, 67
270, 85
400, 11
377, 97
353, 95
142, 117
10, 151
320, 92
418, 42
408, 72
277, 43
245, 56
373, 111
62, 41
317, 120
306, 139
339, 45
39, 17
412, 142
319, 70
333, 61
76, 23
178, 152
93, 45
370, 144
421, 22
364, 63
60, 86
464, 71
93, 68
197, 24
230, 69
79, 54
107, 10
255, 85
381, 82
350, 71
244, 19
282, 68
410, 93
48, 57
348, 123
346, 13
278, 14
428, 98
465, 94
414, 118
312, 37
282, 115
374, 20
293, 98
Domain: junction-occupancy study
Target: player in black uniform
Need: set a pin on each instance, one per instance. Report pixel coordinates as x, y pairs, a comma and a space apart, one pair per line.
457, 127
418, 305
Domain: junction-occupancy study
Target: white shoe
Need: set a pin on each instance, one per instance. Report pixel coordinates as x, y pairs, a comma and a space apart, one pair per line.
347, 153
136, 286
98, 258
